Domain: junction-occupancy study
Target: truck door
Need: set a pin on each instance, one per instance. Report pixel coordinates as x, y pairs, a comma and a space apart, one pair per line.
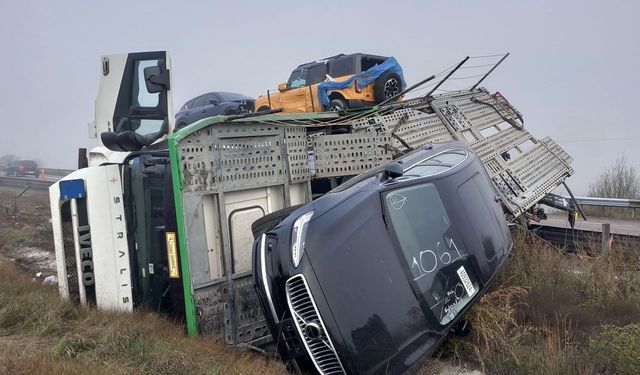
134, 106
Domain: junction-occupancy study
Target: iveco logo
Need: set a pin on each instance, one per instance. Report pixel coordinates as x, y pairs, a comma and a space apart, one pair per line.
313, 331
86, 255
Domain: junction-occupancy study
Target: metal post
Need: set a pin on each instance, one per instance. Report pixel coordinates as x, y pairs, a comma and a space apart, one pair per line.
606, 232
575, 202
313, 109
269, 98
447, 77
489, 72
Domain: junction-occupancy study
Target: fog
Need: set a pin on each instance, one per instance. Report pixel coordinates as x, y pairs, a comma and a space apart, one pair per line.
572, 70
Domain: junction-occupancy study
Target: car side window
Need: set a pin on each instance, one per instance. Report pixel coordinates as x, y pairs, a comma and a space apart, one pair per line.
342, 66
212, 99
316, 74
198, 102
298, 79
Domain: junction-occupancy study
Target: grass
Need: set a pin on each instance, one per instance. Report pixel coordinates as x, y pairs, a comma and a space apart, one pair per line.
39, 332
554, 313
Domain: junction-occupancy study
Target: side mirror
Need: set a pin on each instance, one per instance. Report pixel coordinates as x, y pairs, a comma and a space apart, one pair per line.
393, 170
156, 79
214, 102
282, 87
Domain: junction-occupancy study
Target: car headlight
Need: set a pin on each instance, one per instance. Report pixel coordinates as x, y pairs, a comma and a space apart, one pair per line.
298, 237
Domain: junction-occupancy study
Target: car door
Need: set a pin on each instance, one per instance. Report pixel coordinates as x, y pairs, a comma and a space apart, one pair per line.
212, 104
315, 75
293, 99
197, 110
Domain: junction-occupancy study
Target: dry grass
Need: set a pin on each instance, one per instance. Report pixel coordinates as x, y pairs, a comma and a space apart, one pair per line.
555, 313
40, 333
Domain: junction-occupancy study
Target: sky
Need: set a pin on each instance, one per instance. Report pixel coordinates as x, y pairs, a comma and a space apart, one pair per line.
572, 72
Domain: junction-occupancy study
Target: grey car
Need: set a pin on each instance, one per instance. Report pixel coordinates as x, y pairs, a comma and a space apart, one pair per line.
213, 104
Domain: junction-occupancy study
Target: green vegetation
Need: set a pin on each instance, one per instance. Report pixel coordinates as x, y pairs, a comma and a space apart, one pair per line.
555, 313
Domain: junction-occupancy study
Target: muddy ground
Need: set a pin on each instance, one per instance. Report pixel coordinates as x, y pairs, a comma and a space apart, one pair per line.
26, 236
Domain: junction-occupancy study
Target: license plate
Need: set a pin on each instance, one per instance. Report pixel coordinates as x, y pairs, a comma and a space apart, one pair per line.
466, 281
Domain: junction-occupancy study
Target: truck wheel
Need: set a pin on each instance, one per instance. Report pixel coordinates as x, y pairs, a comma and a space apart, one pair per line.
387, 85
263, 108
267, 222
337, 105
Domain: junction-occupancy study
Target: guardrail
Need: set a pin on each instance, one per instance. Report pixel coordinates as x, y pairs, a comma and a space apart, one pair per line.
20, 182
608, 202
633, 204
47, 171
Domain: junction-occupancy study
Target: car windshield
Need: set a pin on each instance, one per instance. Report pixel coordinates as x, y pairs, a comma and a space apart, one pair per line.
298, 78
432, 249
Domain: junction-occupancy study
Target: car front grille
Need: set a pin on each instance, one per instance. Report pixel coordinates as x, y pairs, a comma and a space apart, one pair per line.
311, 327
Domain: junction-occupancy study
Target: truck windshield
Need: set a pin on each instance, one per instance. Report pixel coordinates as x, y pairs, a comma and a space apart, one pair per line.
431, 247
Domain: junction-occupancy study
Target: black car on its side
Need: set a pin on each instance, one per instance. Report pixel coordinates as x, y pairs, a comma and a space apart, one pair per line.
22, 168
369, 278
213, 104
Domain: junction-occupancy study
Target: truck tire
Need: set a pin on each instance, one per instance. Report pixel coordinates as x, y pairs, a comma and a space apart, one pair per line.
337, 105
387, 85
267, 222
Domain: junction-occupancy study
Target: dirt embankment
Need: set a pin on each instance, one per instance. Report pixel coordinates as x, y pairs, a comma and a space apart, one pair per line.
26, 236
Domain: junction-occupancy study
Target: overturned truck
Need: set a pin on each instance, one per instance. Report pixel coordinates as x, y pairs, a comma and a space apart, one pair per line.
351, 242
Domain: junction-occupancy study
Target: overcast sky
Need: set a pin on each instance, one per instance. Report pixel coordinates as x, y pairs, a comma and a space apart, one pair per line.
573, 69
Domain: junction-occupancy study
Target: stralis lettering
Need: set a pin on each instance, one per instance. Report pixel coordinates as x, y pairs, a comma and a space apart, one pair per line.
86, 255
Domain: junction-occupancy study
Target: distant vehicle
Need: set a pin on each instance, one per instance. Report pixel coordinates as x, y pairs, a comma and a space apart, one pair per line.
316, 86
212, 104
412, 244
22, 168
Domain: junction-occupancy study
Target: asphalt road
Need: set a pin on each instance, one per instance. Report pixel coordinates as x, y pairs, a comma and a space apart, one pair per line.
626, 227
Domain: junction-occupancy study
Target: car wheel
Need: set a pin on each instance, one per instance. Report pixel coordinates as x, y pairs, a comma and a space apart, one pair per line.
267, 222
337, 105
387, 85
263, 108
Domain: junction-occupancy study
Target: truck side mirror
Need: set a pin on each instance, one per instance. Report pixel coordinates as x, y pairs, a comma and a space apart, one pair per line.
156, 79
282, 87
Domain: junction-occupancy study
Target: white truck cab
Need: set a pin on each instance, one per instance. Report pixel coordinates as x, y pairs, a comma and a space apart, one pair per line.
133, 110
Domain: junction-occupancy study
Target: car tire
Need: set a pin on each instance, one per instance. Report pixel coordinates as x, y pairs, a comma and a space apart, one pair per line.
263, 108
387, 85
268, 222
337, 105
